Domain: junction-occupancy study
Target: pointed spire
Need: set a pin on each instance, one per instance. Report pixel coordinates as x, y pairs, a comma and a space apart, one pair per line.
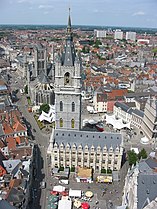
69, 24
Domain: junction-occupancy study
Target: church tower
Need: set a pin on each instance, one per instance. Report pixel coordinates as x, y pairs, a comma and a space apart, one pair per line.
40, 60
68, 86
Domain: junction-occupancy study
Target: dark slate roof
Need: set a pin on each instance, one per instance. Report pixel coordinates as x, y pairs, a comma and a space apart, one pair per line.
15, 195
147, 189
123, 106
69, 55
40, 46
152, 163
43, 78
88, 138
138, 112
5, 205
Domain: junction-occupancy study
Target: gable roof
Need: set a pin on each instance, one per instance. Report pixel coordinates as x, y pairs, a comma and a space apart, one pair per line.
88, 138
19, 127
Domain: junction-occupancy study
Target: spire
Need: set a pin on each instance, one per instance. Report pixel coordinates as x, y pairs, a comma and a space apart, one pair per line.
69, 24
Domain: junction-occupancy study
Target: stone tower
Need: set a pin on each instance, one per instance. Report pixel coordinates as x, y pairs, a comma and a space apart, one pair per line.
68, 86
40, 60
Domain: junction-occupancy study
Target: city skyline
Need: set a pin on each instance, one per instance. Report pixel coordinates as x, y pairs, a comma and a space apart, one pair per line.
135, 13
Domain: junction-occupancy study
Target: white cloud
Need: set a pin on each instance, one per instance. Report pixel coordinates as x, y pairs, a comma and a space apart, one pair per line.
139, 13
44, 6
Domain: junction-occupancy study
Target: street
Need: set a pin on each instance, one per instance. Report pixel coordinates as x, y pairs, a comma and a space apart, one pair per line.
40, 139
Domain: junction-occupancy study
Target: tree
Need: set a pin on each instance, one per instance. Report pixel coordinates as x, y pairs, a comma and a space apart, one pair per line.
26, 89
44, 107
142, 154
154, 52
132, 157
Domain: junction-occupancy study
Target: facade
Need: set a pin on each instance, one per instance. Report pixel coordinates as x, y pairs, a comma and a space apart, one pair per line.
128, 114
104, 99
118, 34
70, 146
131, 36
100, 33
87, 149
149, 125
140, 185
40, 78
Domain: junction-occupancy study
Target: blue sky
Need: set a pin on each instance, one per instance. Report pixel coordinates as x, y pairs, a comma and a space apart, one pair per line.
131, 13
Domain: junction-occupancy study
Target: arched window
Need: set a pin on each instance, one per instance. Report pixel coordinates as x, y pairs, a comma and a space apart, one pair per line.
72, 123
61, 122
61, 106
73, 107
67, 78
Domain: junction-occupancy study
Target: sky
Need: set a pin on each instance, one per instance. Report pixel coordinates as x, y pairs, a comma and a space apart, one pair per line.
128, 13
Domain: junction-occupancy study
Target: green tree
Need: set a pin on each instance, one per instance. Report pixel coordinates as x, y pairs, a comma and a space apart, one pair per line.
154, 52
26, 89
44, 107
132, 157
142, 154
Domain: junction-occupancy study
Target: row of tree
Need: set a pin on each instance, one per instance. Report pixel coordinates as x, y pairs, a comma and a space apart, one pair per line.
133, 157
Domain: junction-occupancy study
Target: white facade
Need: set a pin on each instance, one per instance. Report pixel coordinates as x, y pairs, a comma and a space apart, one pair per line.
130, 189
131, 36
98, 158
100, 33
118, 34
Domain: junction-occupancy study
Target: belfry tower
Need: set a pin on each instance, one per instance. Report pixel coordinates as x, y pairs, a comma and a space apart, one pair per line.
68, 86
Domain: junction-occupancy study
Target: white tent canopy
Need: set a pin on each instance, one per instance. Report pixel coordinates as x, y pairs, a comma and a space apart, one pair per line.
65, 204
144, 140
74, 193
50, 116
116, 123
59, 188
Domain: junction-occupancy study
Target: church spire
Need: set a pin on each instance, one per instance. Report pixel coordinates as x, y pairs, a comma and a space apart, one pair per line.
69, 24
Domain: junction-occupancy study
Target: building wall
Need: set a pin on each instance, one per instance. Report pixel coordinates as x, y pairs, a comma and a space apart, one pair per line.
68, 93
149, 125
130, 190
88, 157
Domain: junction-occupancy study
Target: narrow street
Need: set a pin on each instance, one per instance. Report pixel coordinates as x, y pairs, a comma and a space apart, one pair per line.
41, 140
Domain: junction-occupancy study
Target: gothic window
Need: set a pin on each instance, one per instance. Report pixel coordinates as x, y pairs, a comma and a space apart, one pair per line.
73, 106
61, 122
67, 78
72, 123
61, 106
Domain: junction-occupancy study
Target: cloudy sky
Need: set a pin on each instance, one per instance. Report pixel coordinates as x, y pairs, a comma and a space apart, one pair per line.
131, 13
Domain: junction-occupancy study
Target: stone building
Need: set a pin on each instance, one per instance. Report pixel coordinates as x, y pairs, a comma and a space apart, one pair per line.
87, 149
40, 78
70, 146
149, 125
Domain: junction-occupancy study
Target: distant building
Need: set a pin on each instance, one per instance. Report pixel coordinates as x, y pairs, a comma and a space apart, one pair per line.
131, 36
118, 34
100, 33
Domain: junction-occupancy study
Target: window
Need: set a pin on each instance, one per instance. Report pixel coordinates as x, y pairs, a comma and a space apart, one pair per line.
73, 106
72, 123
61, 122
67, 78
61, 106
